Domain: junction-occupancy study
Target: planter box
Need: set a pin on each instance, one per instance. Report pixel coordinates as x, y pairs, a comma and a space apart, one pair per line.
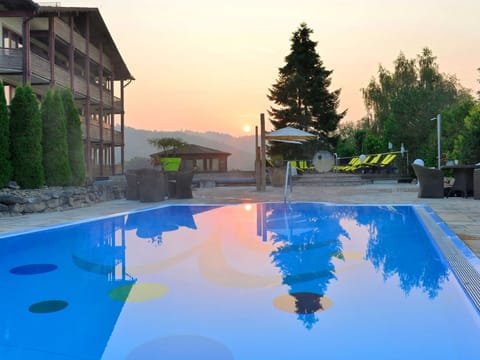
277, 175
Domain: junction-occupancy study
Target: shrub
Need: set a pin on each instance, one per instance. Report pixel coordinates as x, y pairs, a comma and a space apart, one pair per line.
76, 155
5, 164
26, 135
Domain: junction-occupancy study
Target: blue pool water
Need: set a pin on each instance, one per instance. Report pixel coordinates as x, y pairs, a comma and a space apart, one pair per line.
250, 281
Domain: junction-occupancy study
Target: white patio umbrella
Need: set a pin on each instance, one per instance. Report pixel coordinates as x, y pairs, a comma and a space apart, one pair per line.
289, 134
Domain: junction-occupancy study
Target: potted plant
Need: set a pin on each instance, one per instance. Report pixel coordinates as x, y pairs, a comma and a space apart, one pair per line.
277, 171
168, 147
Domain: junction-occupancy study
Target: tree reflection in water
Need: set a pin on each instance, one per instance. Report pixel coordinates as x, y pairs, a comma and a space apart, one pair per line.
398, 245
307, 237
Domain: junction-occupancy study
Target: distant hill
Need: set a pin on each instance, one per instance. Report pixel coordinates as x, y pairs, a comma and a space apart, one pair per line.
242, 148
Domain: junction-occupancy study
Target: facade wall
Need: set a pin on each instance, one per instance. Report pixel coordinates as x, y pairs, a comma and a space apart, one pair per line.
78, 65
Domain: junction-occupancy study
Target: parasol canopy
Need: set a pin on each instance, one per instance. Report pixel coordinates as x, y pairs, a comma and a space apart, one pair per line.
289, 134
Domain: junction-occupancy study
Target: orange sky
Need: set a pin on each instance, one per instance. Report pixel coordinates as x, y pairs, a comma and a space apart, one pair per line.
207, 65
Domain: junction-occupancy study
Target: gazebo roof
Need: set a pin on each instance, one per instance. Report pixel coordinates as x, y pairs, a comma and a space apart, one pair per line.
192, 149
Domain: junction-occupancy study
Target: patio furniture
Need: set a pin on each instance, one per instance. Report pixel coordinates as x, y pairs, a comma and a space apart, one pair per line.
463, 179
183, 186
152, 185
133, 190
476, 184
430, 182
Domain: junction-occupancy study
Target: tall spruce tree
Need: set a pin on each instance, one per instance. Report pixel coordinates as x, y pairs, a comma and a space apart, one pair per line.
26, 130
302, 98
76, 155
54, 141
5, 164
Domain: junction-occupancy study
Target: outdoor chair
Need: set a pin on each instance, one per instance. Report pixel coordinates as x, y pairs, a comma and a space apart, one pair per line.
183, 187
476, 184
133, 190
369, 165
430, 182
152, 185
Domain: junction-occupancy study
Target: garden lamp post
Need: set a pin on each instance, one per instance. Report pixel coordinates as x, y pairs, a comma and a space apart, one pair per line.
438, 138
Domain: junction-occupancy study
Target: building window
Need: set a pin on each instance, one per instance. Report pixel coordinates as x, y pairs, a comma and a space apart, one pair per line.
11, 40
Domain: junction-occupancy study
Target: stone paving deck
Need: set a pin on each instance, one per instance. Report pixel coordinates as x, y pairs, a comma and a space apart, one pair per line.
460, 214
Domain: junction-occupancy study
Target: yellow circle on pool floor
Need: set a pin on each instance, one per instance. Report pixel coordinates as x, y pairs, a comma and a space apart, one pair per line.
138, 292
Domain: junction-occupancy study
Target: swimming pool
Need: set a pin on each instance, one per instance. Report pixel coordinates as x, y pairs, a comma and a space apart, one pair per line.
249, 281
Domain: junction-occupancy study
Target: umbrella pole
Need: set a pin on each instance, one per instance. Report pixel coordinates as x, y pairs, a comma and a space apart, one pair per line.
263, 150
258, 180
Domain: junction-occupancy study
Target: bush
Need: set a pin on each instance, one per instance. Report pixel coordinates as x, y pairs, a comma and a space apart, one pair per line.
26, 129
76, 155
54, 141
5, 164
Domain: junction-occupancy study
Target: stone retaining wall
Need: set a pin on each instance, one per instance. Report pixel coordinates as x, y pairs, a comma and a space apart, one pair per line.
49, 199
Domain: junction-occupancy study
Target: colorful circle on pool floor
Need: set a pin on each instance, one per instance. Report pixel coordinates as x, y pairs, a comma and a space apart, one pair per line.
48, 306
302, 303
182, 347
33, 269
138, 292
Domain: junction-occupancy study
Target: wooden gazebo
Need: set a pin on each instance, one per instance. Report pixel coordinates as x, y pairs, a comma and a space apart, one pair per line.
200, 158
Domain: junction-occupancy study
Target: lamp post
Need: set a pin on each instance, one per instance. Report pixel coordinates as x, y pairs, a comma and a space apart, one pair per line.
438, 138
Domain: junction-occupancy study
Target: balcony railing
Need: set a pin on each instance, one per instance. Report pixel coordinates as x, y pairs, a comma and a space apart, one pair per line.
107, 133
11, 60
41, 68
63, 31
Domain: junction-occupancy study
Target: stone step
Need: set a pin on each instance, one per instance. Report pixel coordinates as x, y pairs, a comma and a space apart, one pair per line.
330, 179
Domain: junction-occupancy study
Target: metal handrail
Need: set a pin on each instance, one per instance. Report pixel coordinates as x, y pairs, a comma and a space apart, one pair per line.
288, 176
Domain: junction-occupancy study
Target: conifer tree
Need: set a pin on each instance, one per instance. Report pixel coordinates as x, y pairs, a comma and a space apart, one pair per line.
54, 141
26, 130
302, 98
5, 164
76, 155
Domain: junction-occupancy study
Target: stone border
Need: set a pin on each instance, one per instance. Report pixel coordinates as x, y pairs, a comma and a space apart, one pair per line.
50, 199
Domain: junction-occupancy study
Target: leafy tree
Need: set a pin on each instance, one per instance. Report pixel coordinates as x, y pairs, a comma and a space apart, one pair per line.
302, 99
400, 103
54, 141
76, 155
467, 143
453, 123
168, 145
26, 129
5, 164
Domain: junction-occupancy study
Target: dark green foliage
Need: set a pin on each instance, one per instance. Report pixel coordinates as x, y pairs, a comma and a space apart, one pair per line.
401, 103
453, 124
26, 139
54, 141
302, 99
76, 153
5, 164
467, 143
168, 145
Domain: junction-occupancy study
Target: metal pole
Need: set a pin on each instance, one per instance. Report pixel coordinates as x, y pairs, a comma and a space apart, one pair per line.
263, 153
258, 171
438, 135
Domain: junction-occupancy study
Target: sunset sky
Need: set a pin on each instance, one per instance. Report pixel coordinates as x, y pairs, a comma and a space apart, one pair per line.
207, 65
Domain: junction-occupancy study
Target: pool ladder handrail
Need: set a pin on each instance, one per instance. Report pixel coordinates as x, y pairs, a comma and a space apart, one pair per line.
288, 176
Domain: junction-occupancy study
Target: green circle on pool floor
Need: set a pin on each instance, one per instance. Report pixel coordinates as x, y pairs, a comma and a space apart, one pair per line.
33, 269
138, 292
48, 306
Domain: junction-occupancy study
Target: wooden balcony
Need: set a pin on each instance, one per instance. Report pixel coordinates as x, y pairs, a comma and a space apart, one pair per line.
11, 61
41, 70
107, 133
62, 30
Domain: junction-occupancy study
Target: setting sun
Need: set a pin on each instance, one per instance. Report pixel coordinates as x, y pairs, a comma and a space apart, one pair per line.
247, 128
